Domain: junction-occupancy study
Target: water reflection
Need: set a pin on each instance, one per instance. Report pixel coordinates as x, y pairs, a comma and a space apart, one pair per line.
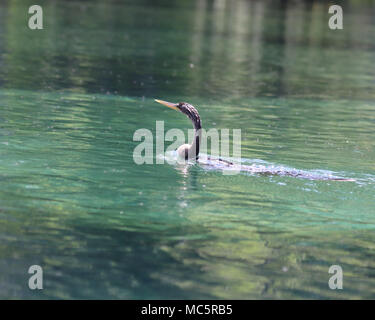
207, 48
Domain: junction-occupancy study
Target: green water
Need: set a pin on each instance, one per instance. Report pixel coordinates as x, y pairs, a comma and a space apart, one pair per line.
73, 201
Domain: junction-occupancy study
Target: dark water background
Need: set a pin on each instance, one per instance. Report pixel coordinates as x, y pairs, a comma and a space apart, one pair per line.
73, 201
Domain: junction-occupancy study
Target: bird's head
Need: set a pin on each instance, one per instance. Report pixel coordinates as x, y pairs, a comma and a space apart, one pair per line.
185, 108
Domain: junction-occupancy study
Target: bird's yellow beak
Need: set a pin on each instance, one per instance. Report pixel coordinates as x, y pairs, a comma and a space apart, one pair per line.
168, 104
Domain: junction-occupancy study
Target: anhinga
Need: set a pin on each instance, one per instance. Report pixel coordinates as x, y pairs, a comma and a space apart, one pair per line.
191, 151
188, 151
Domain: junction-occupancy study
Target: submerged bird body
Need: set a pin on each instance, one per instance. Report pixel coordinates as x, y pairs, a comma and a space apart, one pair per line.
191, 151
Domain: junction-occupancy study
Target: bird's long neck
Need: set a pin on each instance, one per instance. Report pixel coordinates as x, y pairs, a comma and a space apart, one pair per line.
195, 144
193, 151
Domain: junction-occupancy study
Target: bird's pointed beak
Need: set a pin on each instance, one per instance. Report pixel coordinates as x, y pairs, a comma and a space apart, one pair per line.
168, 104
